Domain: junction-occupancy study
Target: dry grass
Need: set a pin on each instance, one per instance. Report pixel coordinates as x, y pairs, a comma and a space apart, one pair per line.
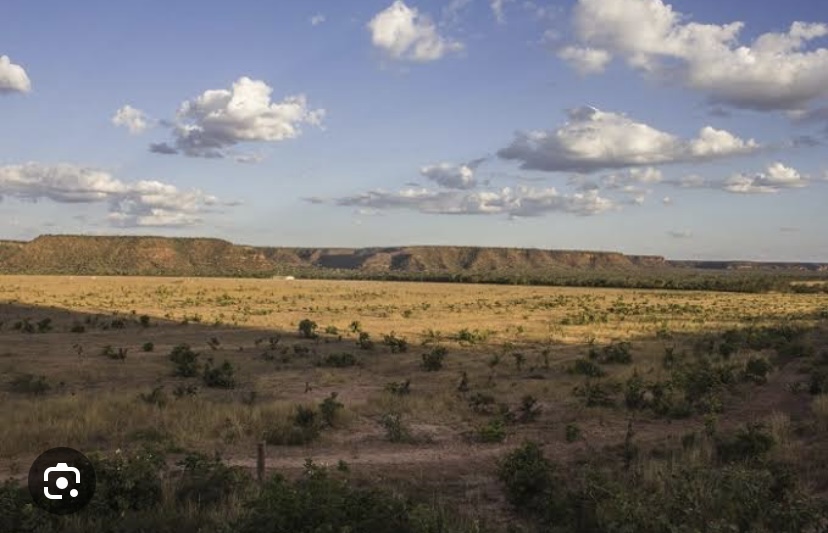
94, 402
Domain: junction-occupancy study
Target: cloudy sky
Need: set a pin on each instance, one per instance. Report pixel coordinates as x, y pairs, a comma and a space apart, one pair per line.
695, 129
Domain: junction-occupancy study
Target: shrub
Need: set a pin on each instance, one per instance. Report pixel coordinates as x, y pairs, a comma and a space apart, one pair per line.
596, 394
29, 384
395, 429
185, 361
329, 407
471, 337
613, 353
756, 370
182, 391
529, 410
148, 347
364, 341
127, 481
748, 444
482, 403
332, 330
206, 481
156, 397
220, 377
112, 353
77, 328
399, 388
433, 360
572, 432
44, 325
527, 478
307, 328
144, 320
397, 344
585, 367
493, 431
339, 360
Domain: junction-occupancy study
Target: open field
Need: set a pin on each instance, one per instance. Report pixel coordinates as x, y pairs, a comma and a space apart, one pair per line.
424, 387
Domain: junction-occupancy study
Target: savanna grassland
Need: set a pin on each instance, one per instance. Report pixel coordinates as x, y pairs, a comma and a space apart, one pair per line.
420, 406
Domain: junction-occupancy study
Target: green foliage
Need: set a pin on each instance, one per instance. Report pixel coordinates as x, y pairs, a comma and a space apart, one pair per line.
399, 388
148, 347
364, 341
144, 320
468, 336
77, 328
339, 360
118, 354
127, 481
433, 360
528, 479
493, 431
355, 326
185, 361
205, 481
586, 367
757, 369
329, 408
183, 391
45, 325
482, 403
220, 377
307, 328
396, 430
397, 344
748, 444
613, 353
29, 384
596, 394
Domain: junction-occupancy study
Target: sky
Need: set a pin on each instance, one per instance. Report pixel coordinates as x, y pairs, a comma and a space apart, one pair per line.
695, 129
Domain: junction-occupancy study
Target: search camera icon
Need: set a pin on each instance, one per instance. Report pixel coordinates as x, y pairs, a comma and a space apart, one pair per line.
62, 481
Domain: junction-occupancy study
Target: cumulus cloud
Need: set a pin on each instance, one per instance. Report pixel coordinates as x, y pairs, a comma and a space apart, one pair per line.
13, 78
317, 19
131, 118
220, 118
774, 178
777, 70
586, 60
404, 34
593, 139
452, 176
142, 203
514, 202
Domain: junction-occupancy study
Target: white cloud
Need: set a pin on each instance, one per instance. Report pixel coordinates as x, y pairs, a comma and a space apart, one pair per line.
592, 140
667, 200
497, 9
131, 118
13, 78
585, 59
679, 234
774, 178
218, 119
775, 71
404, 34
513, 202
143, 203
317, 19
452, 176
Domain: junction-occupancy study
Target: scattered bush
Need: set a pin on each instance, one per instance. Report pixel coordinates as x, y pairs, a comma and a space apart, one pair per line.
112, 353
613, 353
156, 397
397, 344
482, 403
205, 481
144, 320
572, 432
399, 388
185, 361
529, 410
148, 347
757, 369
395, 429
364, 341
307, 328
586, 367
29, 384
339, 360
329, 408
748, 444
433, 360
220, 377
493, 431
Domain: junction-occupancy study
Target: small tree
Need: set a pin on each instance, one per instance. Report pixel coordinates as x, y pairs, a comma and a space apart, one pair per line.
307, 328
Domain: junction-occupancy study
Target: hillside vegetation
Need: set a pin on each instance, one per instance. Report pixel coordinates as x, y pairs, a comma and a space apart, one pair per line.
153, 256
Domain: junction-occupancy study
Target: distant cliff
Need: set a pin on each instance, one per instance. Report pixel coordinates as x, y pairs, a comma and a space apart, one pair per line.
120, 255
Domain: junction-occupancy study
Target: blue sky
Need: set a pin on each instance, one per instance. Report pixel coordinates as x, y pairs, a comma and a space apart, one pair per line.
694, 129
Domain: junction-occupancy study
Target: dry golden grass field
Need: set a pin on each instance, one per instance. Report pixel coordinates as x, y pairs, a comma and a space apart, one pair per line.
85, 362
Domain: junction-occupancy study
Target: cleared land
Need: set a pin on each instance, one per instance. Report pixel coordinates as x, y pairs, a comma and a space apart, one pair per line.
434, 382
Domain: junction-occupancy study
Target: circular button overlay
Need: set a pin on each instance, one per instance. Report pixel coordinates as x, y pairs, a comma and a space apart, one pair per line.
62, 481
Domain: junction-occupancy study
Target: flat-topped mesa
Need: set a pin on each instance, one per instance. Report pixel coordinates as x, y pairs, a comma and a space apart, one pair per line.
192, 256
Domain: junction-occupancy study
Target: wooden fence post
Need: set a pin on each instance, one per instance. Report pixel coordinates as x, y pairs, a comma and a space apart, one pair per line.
260, 462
